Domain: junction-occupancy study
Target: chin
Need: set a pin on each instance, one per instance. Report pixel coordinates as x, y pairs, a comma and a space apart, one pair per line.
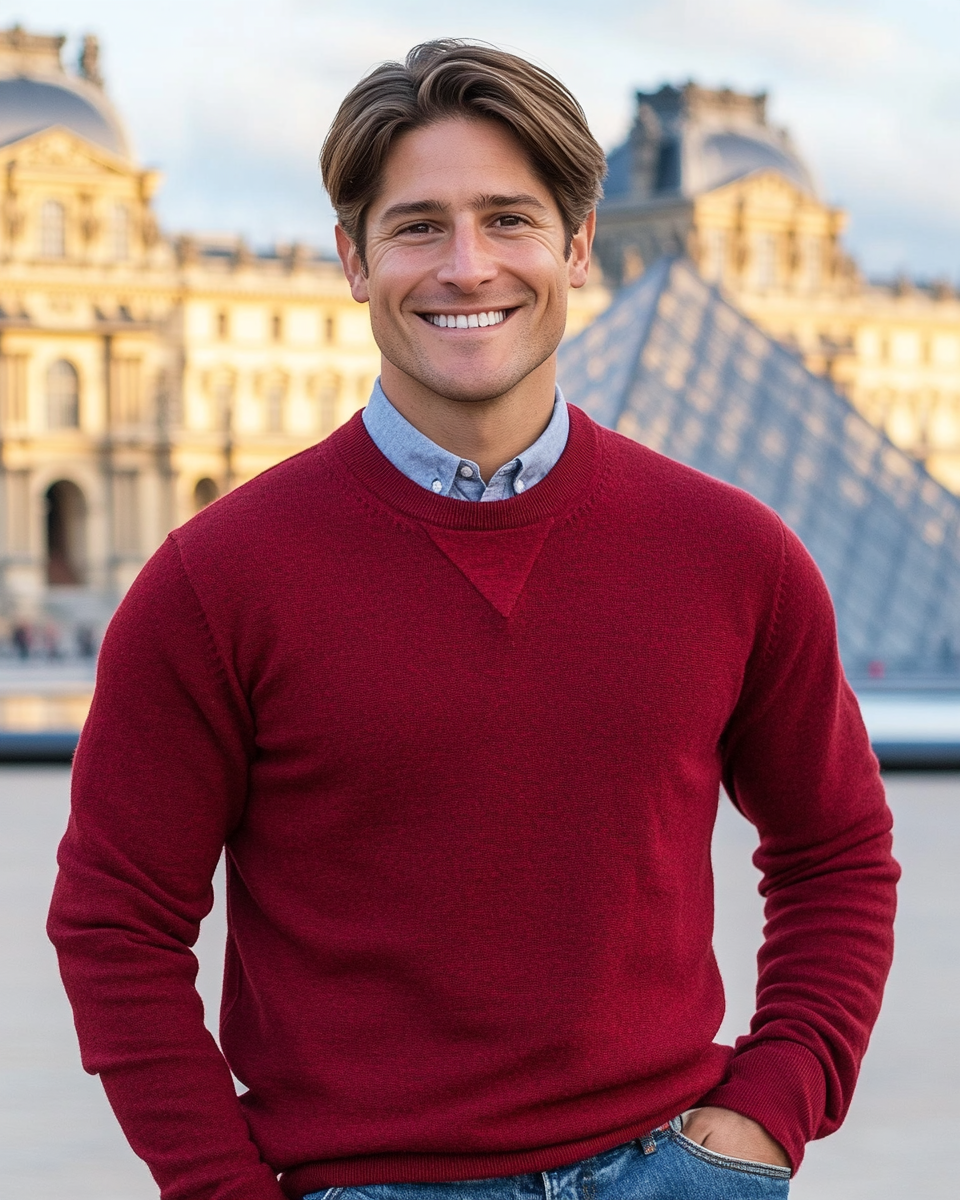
462, 392
477, 382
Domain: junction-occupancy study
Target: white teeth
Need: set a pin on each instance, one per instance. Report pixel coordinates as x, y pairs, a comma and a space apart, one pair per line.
469, 321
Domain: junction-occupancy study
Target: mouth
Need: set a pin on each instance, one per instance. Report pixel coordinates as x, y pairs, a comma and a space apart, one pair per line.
473, 320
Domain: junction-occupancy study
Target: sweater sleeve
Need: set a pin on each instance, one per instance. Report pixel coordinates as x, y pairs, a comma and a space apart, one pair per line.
159, 781
798, 764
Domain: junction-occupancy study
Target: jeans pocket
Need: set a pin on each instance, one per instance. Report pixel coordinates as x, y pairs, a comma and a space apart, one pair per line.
745, 1166
326, 1194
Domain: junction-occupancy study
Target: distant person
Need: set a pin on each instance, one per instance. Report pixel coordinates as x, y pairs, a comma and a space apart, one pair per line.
86, 642
457, 690
51, 640
21, 639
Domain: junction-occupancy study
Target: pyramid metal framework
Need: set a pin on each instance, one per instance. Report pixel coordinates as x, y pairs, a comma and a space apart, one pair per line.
673, 365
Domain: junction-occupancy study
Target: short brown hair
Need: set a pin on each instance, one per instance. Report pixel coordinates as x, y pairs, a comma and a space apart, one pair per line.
446, 78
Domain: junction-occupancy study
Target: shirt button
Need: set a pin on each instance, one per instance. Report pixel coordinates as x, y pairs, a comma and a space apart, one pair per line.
518, 485
466, 472
437, 485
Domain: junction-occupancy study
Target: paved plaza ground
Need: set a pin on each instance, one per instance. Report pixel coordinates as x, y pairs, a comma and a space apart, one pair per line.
58, 1140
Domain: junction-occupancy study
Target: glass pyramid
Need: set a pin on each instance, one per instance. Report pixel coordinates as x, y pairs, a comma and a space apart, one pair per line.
674, 366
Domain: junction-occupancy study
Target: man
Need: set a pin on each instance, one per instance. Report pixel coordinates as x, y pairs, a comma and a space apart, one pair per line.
457, 690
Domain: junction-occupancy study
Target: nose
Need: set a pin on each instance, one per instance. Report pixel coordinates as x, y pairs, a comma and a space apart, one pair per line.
467, 261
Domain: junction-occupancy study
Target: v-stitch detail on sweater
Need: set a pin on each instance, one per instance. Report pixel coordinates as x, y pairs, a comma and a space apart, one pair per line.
497, 562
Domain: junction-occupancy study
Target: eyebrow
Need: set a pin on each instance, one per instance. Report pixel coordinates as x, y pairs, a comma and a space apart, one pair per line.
422, 208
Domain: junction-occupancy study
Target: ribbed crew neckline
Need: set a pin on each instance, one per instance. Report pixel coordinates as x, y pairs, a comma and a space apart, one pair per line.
577, 468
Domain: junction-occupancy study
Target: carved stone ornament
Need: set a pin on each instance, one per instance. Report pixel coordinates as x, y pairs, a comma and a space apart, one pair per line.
149, 229
13, 218
90, 61
187, 252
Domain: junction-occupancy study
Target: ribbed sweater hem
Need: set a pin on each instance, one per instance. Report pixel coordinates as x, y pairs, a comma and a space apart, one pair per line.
781, 1085
444, 1168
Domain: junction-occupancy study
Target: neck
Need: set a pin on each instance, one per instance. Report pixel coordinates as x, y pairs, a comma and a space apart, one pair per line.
488, 432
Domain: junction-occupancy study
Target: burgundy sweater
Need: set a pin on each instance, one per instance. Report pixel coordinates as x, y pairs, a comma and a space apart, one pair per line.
465, 760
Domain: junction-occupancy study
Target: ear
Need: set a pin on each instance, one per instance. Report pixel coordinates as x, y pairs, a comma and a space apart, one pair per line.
352, 266
578, 264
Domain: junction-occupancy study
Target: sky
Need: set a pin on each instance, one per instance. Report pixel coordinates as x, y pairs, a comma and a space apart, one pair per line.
231, 98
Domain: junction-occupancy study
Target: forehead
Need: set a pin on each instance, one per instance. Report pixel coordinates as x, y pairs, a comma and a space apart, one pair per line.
457, 157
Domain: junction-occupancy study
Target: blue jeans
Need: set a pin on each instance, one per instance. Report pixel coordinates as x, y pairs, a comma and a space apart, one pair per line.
661, 1166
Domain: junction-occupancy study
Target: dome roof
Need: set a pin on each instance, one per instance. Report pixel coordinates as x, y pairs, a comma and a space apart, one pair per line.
690, 140
727, 156
28, 105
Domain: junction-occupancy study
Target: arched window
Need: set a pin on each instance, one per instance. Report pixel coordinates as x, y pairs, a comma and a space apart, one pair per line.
205, 493
66, 534
121, 232
63, 395
53, 240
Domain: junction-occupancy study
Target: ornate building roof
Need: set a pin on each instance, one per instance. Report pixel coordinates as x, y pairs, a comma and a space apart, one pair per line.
675, 366
690, 140
36, 93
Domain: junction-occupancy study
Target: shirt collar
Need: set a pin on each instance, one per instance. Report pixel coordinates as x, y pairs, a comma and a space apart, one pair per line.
432, 467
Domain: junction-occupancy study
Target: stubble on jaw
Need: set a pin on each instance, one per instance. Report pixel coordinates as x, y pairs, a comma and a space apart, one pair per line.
414, 361
483, 392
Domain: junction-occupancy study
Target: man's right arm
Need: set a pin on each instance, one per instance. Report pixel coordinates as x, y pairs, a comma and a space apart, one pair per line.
159, 782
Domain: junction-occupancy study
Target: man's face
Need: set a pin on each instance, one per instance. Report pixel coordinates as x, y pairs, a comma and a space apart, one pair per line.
467, 275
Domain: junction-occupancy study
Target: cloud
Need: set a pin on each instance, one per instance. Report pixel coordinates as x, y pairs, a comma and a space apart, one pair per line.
232, 97
787, 36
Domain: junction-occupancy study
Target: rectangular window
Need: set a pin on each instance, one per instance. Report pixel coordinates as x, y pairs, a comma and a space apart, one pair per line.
121, 232
126, 512
765, 260
329, 399
126, 400
276, 394
812, 263
53, 233
715, 255
18, 512
13, 390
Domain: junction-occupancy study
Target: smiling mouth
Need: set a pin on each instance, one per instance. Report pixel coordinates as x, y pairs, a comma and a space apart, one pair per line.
477, 320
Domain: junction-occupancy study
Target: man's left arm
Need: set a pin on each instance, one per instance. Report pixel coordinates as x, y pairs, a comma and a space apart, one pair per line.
798, 764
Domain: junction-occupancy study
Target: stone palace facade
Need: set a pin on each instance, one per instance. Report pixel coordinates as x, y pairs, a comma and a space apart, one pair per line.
704, 174
141, 376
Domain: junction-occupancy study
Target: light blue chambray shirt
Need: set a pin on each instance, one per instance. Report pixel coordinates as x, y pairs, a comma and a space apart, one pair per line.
432, 467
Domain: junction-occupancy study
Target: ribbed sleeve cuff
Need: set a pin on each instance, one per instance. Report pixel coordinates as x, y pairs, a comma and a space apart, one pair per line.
781, 1085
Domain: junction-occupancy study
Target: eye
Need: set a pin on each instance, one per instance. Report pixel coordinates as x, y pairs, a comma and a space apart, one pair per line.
417, 227
510, 221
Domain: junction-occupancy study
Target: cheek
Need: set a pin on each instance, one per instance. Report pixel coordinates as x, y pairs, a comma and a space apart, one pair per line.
546, 274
